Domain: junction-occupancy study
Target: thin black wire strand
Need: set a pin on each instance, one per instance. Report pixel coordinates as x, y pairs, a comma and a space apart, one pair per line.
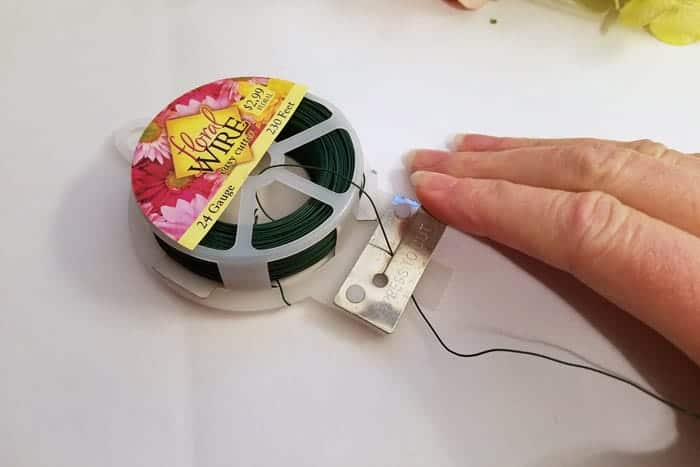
278, 285
257, 200
611, 375
678, 408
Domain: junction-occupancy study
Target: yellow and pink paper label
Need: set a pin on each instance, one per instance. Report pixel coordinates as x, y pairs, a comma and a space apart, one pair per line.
195, 154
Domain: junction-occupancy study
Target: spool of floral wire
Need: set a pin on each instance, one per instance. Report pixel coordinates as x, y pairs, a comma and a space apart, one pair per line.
225, 231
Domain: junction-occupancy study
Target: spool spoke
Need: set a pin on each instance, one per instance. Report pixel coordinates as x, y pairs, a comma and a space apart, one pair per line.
306, 136
309, 188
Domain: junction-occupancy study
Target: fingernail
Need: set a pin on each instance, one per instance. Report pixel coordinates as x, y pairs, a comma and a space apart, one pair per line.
424, 159
418, 177
432, 180
478, 142
408, 158
454, 141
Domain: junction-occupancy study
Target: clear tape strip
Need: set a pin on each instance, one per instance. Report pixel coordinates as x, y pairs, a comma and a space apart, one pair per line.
126, 137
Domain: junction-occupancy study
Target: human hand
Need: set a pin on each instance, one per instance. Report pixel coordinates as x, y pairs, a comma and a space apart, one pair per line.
623, 218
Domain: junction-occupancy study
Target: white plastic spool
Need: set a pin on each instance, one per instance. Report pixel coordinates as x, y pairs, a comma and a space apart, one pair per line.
244, 269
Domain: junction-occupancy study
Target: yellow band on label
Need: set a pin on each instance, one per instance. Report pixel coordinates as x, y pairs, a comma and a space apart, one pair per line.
240, 171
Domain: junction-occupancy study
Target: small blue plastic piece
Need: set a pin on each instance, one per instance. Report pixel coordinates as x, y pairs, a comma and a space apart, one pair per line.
404, 206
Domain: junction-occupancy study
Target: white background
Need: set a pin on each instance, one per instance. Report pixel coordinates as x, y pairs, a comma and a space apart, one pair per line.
101, 366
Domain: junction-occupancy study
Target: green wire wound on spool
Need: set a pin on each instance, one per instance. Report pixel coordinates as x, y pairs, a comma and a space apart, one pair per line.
333, 152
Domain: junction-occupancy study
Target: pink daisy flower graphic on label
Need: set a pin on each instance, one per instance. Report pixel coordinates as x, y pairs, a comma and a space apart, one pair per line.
155, 185
153, 145
147, 209
217, 95
176, 220
259, 80
231, 88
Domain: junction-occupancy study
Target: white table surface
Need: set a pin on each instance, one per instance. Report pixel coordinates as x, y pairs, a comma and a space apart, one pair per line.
102, 366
